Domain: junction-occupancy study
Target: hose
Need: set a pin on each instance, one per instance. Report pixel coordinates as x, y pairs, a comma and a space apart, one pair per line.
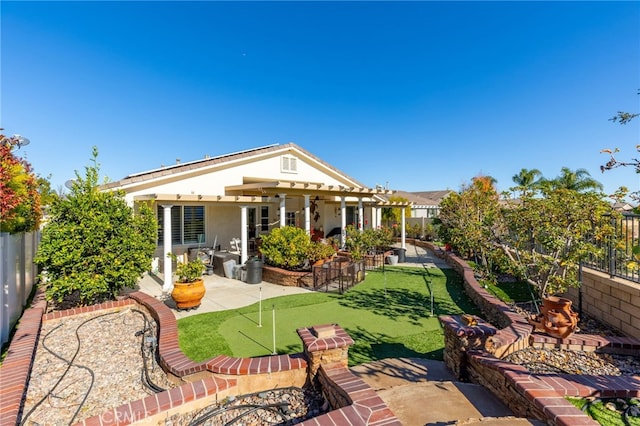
145, 377
251, 407
69, 365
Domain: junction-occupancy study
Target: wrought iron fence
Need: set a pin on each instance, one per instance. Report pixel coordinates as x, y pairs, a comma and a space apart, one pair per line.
618, 251
339, 274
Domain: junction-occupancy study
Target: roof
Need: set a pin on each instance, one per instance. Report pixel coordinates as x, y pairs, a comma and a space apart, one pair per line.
436, 196
417, 200
218, 160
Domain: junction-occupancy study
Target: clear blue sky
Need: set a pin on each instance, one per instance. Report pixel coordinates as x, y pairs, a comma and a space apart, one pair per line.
416, 95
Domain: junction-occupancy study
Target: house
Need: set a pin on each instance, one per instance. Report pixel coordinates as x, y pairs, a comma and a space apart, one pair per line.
424, 204
232, 199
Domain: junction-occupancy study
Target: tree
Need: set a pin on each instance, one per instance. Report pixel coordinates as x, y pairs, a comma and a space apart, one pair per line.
622, 118
579, 180
471, 219
47, 195
20, 209
393, 215
94, 244
549, 235
527, 181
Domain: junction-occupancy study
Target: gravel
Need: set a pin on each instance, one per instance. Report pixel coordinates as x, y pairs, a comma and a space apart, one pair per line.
106, 366
107, 371
287, 406
563, 361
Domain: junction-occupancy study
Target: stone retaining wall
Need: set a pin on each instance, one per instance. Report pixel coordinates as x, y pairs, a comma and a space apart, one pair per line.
474, 351
279, 276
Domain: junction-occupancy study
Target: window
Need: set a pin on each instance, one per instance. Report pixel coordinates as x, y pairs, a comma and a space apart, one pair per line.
290, 219
264, 219
289, 164
187, 222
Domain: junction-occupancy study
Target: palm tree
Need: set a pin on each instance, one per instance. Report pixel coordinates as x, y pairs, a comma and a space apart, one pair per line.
527, 180
579, 180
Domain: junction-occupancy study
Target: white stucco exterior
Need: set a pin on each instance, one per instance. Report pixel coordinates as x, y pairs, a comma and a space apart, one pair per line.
246, 194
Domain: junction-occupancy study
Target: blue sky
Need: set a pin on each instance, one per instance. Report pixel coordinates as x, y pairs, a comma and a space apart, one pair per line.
414, 95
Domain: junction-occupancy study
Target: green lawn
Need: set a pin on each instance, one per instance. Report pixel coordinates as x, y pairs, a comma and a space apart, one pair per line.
509, 292
388, 315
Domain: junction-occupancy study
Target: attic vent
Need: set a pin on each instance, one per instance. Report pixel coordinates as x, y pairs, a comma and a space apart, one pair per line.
289, 164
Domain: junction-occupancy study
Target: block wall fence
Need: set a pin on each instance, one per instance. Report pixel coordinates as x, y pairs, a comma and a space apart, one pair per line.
614, 301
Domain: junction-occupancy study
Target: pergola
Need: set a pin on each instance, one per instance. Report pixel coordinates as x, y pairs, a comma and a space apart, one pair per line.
260, 191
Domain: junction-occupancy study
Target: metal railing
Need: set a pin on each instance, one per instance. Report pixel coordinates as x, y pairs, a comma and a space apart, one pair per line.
339, 274
618, 252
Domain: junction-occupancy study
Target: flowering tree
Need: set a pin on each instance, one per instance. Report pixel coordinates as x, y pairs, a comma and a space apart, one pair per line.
20, 209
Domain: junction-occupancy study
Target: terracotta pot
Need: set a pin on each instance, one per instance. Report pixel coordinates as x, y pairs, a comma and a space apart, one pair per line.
556, 317
188, 295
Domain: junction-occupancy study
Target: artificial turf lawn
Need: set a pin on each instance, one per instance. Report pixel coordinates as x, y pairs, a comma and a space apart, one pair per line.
387, 315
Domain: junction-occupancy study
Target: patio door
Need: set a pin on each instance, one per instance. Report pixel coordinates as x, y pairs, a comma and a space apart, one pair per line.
352, 215
251, 223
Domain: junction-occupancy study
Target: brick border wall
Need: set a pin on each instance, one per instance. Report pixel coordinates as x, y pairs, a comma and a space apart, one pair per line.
479, 349
205, 382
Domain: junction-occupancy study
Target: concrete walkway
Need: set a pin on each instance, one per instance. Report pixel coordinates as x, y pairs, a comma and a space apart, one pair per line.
221, 293
424, 392
418, 391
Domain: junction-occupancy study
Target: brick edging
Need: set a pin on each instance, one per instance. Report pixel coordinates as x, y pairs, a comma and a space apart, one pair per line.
366, 407
172, 358
134, 411
16, 367
545, 392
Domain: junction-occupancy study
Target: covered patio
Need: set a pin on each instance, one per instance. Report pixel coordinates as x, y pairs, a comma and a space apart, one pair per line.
261, 205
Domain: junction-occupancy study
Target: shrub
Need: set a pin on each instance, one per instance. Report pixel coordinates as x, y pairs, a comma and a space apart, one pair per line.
319, 250
94, 245
287, 247
190, 271
369, 241
20, 209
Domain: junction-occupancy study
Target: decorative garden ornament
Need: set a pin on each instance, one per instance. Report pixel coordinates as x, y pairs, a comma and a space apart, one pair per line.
556, 318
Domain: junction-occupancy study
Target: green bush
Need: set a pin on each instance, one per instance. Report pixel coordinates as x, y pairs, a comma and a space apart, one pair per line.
188, 272
319, 250
367, 241
287, 247
94, 244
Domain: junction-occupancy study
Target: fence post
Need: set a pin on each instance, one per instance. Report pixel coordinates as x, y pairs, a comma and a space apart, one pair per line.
612, 259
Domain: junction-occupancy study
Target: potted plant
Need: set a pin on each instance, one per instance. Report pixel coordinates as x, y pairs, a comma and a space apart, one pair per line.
188, 289
320, 252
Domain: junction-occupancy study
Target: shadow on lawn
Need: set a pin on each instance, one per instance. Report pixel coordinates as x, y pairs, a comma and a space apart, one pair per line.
415, 305
371, 346
391, 303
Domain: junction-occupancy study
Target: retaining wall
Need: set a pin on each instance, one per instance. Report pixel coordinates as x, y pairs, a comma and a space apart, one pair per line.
205, 383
